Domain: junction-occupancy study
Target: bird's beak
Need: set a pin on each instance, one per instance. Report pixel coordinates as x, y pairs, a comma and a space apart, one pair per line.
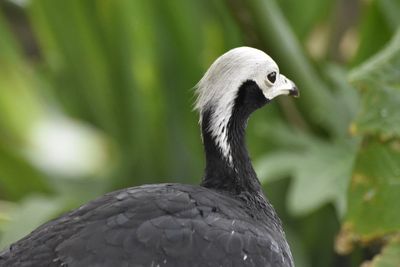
283, 86
286, 86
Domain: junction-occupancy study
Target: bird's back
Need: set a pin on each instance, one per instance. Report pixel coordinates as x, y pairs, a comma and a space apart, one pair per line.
157, 225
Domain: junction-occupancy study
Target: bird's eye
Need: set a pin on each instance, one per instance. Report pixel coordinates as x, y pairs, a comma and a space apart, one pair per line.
272, 77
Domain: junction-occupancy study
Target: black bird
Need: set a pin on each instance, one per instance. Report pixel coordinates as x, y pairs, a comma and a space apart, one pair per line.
226, 221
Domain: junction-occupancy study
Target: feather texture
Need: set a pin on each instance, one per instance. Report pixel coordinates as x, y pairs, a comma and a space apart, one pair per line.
157, 225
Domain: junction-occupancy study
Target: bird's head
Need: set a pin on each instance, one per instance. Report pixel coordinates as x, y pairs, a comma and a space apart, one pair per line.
243, 78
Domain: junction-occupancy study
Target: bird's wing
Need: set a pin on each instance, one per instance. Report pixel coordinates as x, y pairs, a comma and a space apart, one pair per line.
163, 225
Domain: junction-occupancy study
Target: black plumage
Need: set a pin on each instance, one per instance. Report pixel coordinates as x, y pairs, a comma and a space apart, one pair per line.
227, 221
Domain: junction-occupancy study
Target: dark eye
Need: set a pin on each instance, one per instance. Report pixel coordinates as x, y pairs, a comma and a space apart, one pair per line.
272, 77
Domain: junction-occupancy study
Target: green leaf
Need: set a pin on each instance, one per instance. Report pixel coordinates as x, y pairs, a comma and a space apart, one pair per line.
374, 193
380, 113
320, 170
379, 82
321, 176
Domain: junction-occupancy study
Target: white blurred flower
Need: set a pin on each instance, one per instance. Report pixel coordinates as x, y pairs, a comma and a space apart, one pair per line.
68, 148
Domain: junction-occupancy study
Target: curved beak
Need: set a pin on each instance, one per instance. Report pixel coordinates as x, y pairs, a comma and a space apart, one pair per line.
286, 86
283, 86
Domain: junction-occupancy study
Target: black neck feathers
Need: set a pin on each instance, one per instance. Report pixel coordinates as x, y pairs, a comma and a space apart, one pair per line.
238, 175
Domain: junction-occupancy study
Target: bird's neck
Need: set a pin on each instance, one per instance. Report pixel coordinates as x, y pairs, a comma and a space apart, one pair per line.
233, 171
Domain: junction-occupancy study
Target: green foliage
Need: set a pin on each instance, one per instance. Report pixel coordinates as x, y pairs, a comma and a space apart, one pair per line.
115, 78
378, 80
375, 184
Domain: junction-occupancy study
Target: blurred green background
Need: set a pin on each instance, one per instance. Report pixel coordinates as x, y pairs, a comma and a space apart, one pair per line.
97, 95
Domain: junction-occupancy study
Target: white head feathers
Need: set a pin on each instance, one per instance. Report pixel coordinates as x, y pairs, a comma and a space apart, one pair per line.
218, 88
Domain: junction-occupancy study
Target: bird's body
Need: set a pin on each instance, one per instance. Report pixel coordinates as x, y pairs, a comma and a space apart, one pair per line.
226, 221
158, 225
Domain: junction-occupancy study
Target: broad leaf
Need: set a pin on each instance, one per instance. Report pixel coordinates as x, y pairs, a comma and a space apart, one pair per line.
321, 176
379, 82
320, 172
374, 193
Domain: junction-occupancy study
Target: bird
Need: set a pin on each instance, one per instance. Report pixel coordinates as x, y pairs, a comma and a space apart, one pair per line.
225, 221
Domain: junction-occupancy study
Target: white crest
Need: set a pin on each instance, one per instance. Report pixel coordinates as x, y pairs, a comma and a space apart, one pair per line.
218, 88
